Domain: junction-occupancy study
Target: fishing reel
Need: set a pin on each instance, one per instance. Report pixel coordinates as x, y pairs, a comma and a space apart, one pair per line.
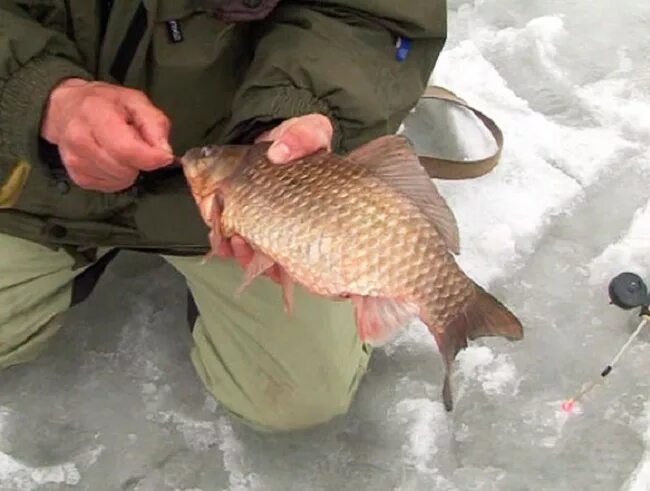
628, 291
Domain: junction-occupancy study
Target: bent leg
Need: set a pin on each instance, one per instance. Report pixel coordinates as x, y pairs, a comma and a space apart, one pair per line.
37, 285
273, 371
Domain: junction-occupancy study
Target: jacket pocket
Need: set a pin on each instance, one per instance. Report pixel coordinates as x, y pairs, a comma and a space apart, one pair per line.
196, 62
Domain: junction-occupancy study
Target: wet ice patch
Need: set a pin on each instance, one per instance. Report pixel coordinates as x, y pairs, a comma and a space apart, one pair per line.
496, 374
198, 435
545, 421
639, 480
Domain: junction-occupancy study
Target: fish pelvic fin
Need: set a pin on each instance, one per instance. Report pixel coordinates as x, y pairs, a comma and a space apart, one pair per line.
483, 316
380, 319
287, 291
256, 267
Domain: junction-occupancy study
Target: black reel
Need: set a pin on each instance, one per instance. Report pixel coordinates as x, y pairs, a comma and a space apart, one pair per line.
628, 291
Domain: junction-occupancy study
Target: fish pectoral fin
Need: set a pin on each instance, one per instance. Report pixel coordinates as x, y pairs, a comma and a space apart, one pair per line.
392, 159
380, 319
211, 211
258, 265
287, 291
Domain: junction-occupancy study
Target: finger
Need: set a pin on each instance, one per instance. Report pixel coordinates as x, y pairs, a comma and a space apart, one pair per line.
299, 138
89, 165
150, 121
123, 142
80, 171
110, 166
101, 184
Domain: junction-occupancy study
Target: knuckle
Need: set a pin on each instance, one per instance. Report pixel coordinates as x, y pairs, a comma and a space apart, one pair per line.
89, 105
165, 122
71, 161
70, 156
74, 134
136, 95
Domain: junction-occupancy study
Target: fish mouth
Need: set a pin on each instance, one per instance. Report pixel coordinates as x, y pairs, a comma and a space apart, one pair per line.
197, 153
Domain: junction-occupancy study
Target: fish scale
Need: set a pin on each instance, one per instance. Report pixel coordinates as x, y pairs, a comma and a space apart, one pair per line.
376, 265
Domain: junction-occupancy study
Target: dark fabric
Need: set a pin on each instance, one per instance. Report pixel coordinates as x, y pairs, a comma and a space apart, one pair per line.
133, 37
84, 283
192, 311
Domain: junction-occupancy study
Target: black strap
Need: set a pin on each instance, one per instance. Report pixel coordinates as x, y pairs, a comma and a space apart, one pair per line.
129, 46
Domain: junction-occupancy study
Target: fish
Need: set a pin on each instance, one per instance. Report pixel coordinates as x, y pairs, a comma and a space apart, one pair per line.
369, 227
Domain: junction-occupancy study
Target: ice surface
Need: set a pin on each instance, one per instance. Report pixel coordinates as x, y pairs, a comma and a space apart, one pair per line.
115, 403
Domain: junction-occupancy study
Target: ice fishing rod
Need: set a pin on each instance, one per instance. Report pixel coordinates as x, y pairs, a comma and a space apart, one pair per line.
627, 291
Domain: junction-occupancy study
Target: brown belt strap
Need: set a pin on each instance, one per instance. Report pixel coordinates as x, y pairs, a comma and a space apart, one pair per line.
461, 169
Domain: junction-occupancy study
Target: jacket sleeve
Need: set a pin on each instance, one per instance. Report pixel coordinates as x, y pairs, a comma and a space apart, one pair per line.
33, 59
339, 58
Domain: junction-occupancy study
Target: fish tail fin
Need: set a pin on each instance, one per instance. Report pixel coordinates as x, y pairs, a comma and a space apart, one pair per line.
487, 316
483, 316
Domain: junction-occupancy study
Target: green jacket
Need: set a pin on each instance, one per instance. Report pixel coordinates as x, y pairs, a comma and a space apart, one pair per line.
217, 80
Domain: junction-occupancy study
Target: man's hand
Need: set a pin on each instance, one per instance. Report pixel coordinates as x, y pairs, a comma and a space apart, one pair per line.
106, 134
292, 139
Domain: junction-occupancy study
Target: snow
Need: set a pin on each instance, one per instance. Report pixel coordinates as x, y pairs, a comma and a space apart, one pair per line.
115, 403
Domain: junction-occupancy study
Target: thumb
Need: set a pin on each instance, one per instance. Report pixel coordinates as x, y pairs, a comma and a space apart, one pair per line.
298, 137
152, 124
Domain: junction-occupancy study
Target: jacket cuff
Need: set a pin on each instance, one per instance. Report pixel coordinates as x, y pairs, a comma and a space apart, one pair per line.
258, 110
23, 99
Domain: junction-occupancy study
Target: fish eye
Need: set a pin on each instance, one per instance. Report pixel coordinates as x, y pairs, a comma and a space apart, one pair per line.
205, 152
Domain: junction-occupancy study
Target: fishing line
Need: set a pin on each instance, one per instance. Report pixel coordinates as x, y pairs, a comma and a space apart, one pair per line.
627, 291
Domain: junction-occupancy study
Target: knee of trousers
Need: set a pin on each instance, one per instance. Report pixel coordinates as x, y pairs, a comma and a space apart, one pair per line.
28, 329
23, 352
281, 404
274, 409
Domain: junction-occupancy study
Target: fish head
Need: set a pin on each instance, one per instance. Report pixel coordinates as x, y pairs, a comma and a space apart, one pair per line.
209, 167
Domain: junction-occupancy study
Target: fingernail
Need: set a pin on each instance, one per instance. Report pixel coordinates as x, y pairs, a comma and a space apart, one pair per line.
279, 153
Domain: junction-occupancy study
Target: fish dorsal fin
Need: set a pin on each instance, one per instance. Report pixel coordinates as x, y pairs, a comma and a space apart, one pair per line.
392, 159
